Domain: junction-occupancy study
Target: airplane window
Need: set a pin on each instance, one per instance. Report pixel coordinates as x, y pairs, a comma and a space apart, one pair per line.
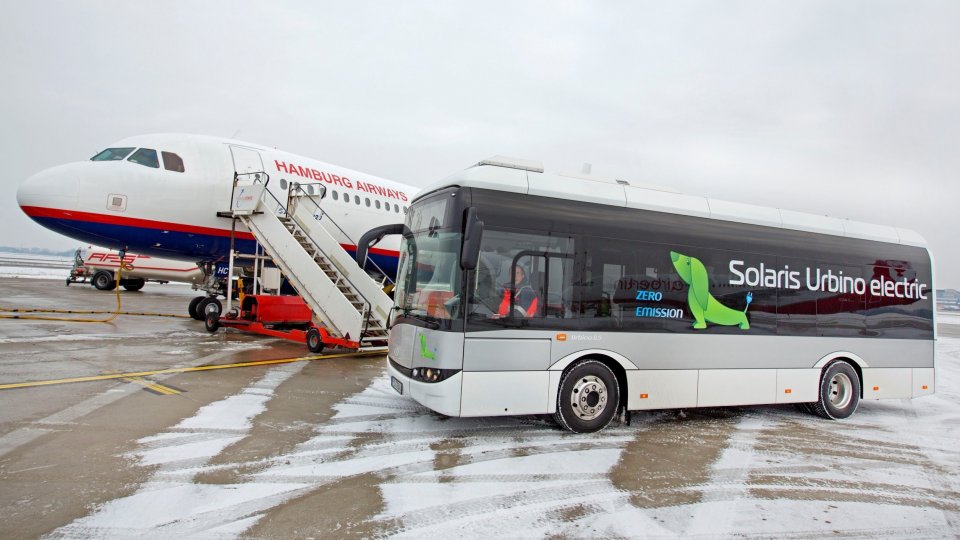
368, 201
146, 157
346, 197
112, 154
172, 162
335, 195
378, 205
283, 183
310, 189
404, 209
396, 208
356, 199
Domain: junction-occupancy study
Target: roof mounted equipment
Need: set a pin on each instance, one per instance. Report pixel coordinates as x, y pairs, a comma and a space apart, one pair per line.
513, 163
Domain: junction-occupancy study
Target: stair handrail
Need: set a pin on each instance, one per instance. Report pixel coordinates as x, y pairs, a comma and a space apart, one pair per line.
368, 305
297, 186
256, 180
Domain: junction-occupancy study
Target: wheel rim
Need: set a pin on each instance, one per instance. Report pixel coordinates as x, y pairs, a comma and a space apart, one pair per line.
589, 397
841, 390
313, 341
211, 308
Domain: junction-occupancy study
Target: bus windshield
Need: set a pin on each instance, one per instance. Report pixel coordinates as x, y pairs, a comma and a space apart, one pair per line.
428, 278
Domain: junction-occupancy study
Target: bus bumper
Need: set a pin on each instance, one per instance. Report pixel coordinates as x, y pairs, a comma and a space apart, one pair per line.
442, 397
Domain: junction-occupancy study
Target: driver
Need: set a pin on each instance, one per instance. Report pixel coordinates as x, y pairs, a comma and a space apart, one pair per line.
525, 299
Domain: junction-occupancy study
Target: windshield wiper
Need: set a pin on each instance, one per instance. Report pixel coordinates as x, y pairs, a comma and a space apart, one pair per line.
430, 321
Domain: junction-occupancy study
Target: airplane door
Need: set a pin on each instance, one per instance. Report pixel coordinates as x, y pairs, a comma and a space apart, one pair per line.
246, 160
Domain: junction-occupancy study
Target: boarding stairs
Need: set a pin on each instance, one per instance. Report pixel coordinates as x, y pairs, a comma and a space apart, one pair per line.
344, 299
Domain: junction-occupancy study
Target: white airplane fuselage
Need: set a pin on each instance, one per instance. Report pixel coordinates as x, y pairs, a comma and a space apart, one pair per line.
165, 204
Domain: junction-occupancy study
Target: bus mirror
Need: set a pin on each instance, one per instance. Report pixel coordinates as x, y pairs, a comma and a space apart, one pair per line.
373, 236
472, 234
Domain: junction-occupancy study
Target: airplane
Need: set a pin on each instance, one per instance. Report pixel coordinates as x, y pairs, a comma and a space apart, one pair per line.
160, 194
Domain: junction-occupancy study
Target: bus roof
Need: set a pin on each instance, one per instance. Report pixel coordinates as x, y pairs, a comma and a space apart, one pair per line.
523, 176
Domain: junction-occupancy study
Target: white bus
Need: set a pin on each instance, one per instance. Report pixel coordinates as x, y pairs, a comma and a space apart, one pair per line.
522, 292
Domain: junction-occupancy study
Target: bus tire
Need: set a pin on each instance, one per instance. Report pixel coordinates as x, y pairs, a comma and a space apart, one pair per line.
133, 285
192, 308
212, 322
209, 305
839, 392
314, 341
104, 281
589, 397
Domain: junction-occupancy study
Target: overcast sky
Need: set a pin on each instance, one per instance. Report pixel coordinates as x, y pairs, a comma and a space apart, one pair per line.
849, 108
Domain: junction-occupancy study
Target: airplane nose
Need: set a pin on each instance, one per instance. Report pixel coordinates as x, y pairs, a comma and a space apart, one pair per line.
56, 188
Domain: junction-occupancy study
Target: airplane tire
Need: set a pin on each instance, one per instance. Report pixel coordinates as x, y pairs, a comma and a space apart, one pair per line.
209, 305
314, 341
212, 322
192, 308
104, 281
133, 285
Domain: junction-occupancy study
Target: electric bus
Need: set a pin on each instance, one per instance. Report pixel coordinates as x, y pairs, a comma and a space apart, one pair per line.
521, 292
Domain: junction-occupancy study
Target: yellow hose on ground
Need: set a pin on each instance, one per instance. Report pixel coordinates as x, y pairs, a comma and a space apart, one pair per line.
113, 314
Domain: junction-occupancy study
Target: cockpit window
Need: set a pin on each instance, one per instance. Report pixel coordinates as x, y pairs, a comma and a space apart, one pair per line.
172, 162
145, 156
112, 154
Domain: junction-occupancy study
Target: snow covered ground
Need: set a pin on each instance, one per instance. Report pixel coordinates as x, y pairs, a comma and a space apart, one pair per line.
13, 269
890, 471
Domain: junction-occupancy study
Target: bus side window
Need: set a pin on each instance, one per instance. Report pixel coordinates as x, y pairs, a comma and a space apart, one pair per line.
536, 270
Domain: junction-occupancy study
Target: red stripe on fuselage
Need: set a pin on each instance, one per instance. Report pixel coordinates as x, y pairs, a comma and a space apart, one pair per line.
55, 213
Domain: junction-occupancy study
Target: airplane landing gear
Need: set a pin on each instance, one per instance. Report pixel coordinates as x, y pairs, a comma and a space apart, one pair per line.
192, 308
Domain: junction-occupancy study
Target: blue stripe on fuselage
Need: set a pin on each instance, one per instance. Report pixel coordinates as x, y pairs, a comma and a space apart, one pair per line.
172, 244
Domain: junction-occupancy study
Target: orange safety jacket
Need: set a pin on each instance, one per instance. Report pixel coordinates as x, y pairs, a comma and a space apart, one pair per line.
525, 296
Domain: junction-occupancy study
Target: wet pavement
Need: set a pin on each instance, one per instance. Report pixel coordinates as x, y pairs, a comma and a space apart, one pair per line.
326, 448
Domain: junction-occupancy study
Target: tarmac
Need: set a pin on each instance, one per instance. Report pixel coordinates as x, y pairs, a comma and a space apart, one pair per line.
62, 445
150, 425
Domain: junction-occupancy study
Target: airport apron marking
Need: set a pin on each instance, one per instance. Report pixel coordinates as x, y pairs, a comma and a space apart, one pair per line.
153, 387
137, 374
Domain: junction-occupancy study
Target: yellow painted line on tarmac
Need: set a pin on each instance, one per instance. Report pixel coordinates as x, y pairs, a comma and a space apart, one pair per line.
114, 376
152, 386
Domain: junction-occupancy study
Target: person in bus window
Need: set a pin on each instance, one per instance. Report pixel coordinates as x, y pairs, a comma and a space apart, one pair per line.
525, 298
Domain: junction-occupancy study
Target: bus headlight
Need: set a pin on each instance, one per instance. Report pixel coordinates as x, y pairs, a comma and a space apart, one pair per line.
432, 375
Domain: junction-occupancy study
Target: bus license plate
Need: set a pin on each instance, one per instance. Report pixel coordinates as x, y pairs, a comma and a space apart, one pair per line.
397, 385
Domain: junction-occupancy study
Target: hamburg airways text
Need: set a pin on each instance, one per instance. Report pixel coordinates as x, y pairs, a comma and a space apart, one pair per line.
337, 180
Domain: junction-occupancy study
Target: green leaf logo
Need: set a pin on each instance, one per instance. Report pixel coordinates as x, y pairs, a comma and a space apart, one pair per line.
424, 351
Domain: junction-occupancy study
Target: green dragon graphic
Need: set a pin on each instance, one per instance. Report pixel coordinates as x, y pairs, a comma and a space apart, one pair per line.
706, 308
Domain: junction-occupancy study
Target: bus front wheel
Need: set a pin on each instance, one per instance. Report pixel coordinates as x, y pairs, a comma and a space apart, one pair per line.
839, 392
588, 398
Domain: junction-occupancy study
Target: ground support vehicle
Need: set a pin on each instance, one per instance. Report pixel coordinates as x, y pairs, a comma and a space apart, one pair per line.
285, 317
99, 266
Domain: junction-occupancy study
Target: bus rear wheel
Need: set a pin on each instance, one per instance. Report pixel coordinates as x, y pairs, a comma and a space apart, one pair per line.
839, 392
589, 397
